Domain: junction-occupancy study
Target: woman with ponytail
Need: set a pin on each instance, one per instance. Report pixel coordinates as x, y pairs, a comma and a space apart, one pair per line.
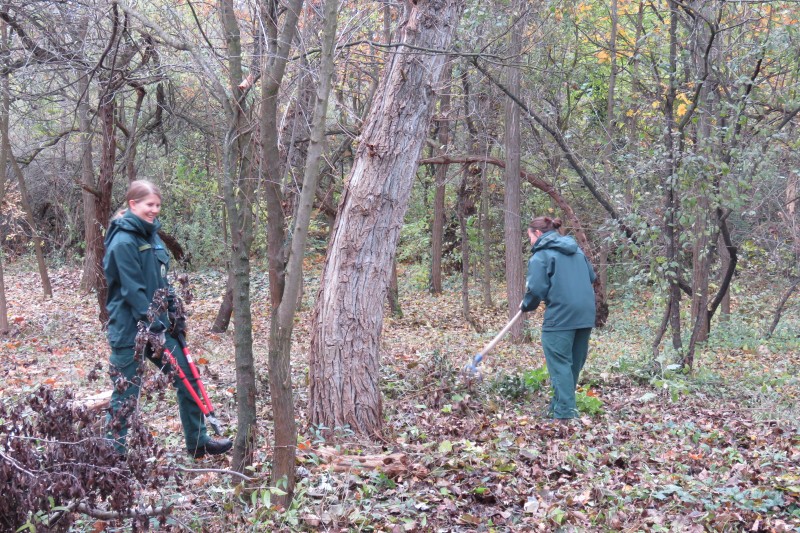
136, 265
560, 275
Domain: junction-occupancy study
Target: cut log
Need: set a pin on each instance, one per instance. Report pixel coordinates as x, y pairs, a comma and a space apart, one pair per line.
95, 402
394, 465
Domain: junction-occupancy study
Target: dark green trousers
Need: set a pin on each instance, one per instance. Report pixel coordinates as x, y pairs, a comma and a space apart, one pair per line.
126, 371
565, 353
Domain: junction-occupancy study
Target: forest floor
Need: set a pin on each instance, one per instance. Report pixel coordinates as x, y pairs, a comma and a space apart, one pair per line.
717, 450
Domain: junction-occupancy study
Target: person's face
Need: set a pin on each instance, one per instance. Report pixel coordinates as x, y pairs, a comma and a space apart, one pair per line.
147, 208
533, 235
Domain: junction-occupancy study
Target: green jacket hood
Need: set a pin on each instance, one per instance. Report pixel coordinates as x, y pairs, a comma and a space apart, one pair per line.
552, 240
132, 224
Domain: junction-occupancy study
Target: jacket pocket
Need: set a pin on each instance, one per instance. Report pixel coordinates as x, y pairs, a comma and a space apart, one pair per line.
162, 260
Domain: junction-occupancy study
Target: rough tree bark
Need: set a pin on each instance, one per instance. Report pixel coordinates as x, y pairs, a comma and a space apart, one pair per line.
394, 293
348, 317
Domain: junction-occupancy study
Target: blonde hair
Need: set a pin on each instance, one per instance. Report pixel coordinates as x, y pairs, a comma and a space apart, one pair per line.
137, 190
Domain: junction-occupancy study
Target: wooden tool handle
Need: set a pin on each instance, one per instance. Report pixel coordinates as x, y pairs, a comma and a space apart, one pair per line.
500, 335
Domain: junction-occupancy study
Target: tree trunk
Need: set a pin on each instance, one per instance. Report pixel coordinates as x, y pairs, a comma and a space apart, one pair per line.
225, 311
484, 223
601, 259
463, 202
4, 121
348, 317
671, 204
274, 69
512, 223
725, 261
38, 242
296, 134
102, 192
437, 227
282, 323
132, 141
238, 192
486, 239
91, 277
776, 316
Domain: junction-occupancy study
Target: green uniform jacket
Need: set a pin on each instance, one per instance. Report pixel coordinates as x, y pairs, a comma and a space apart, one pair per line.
136, 265
560, 275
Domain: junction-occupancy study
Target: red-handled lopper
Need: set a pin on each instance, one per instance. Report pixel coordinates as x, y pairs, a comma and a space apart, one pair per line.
203, 403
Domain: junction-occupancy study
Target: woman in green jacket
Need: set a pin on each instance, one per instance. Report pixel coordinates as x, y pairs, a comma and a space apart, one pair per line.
136, 265
561, 276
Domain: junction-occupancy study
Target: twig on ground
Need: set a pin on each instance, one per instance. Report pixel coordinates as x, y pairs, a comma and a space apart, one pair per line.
218, 471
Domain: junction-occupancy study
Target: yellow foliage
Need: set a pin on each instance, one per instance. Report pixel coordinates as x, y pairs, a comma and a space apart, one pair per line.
681, 110
603, 56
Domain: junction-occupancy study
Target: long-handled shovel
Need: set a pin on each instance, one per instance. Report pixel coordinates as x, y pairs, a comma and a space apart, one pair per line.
202, 402
471, 369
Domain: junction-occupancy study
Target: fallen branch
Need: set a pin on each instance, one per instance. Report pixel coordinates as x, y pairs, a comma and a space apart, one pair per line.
393, 465
102, 514
217, 471
95, 402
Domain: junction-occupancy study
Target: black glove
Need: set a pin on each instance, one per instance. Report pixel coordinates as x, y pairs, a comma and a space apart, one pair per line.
529, 303
178, 325
156, 326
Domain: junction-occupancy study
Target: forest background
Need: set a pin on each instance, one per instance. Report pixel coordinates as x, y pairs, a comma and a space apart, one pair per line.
346, 186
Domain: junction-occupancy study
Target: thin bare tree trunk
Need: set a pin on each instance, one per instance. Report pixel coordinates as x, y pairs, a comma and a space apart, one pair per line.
437, 227
4, 121
132, 142
238, 190
38, 242
102, 193
483, 209
601, 261
279, 43
672, 313
725, 261
348, 316
776, 317
486, 239
282, 323
462, 224
515, 275
225, 311
90, 279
